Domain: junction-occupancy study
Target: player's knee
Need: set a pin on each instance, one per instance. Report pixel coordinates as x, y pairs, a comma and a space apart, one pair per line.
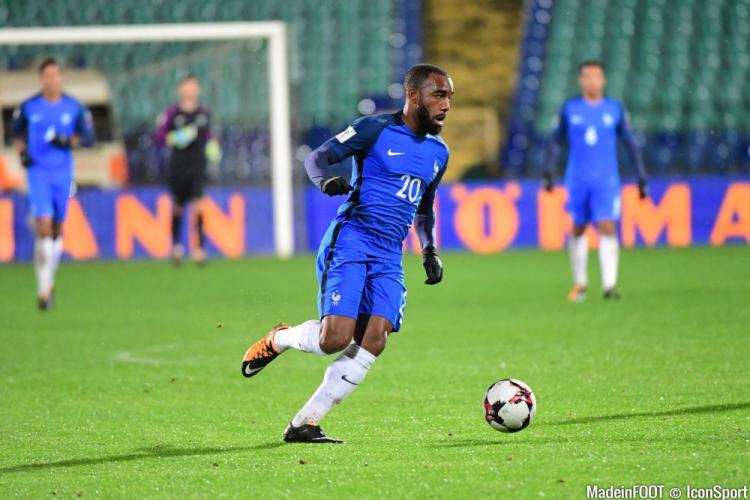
335, 337
607, 228
44, 228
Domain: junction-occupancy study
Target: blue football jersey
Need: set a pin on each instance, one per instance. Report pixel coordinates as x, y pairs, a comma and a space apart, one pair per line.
392, 170
37, 121
591, 131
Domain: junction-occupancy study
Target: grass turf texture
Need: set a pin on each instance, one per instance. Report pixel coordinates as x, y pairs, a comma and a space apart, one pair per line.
132, 386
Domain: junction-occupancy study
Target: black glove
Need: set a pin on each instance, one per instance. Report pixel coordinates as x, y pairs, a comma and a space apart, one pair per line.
26, 160
547, 181
61, 141
334, 186
643, 189
432, 266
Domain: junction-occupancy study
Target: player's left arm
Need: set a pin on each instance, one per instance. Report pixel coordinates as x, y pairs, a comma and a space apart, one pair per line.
213, 148
625, 133
83, 134
424, 225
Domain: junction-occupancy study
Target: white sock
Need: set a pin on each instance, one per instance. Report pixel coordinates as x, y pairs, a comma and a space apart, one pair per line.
579, 256
340, 379
43, 257
303, 337
609, 248
57, 250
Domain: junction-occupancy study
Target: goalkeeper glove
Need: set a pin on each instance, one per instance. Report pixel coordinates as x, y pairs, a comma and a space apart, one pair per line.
643, 189
433, 266
213, 151
182, 137
334, 186
547, 181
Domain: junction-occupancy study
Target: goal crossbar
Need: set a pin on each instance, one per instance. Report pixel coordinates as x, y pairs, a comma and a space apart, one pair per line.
278, 81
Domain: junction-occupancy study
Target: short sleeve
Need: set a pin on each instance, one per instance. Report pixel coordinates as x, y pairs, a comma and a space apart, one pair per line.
357, 138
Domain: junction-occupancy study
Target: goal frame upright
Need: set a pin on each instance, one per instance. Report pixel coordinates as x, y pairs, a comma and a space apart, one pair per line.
278, 81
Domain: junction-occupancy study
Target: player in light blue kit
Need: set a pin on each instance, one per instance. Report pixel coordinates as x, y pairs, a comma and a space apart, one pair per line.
398, 161
591, 125
46, 127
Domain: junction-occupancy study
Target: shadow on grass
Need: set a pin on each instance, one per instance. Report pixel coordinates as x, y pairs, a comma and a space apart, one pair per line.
691, 410
144, 453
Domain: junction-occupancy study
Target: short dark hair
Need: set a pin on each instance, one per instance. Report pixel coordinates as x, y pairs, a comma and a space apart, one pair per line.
50, 61
592, 62
188, 77
418, 73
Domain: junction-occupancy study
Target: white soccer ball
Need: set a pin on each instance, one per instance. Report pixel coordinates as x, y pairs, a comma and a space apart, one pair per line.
509, 405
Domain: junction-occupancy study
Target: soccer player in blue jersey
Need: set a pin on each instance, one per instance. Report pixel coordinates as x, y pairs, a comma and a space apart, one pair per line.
398, 160
591, 125
46, 128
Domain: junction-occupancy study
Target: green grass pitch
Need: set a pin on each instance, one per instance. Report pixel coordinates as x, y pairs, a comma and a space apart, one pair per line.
131, 387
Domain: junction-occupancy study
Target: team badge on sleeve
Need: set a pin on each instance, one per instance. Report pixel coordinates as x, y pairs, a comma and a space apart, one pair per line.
346, 134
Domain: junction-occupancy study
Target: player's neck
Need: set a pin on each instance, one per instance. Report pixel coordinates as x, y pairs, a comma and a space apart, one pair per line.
188, 106
51, 96
593, 98
411, 121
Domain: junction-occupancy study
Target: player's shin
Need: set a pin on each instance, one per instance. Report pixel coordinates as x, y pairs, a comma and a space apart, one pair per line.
57, 250
340, 379
199, 230
609, 250
579, 252
43, 265
303, 337
176, 226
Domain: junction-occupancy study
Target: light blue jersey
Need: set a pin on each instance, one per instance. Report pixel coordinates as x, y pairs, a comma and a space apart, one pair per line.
38, 122
591, 130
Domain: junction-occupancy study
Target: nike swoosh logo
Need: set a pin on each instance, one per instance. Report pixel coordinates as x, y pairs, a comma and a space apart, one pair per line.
394, 153
250, 371
343, 377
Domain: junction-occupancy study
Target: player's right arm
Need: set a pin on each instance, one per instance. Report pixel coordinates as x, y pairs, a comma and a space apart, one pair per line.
20, 128
166, 133
553, 148
356, 138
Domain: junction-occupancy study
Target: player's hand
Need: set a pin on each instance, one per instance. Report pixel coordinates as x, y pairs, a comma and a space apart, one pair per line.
547, 181
334, 186
643, 189
182, 137
62, 141
213, 151
25, 158
433, 266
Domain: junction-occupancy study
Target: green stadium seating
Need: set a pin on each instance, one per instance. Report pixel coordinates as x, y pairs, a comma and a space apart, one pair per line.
677, 65
331, 69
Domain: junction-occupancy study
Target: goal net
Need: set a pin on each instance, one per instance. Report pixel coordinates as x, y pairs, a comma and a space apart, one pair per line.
129, 74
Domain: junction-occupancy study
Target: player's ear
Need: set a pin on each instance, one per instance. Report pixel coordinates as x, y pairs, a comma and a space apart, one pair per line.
413, 95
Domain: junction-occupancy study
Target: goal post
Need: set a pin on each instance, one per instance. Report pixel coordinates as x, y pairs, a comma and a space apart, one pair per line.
278, 81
